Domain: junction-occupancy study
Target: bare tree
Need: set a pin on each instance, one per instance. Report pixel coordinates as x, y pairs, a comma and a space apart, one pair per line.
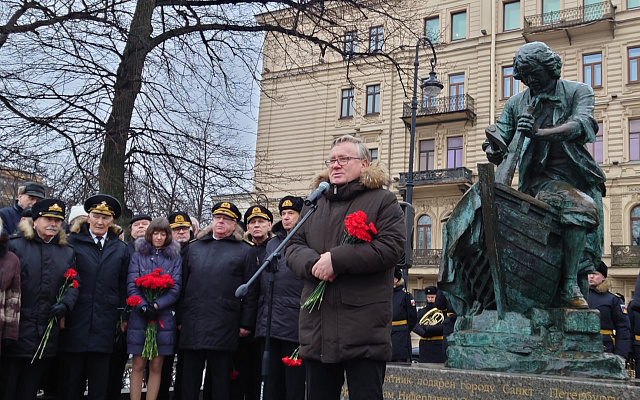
123, 96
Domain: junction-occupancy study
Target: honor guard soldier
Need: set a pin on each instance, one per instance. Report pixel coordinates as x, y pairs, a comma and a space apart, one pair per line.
614, 321
405, 318
430, 329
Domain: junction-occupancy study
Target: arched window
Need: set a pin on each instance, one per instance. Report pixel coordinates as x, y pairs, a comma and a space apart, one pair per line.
424, 232
635, 226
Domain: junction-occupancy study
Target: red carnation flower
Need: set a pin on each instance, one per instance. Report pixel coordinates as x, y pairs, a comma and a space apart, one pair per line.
133, 301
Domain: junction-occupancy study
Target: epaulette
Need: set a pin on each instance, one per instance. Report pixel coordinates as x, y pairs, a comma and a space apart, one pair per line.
249, 242
192, 240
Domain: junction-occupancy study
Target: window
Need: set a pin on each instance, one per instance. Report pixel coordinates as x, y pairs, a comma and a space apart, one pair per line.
374, 155
426, 155
459, 26
635, 226
432, 29
592, 69
373, 99
454, 152
550, 11
634, 65
634, 139
346, 110
595, 149
350, 44
593, 10
633, 3
456, 92
424, 232
511, 16
375, 39
510, 85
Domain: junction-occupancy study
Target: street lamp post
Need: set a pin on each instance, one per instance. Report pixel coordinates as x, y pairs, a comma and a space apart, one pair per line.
431, 88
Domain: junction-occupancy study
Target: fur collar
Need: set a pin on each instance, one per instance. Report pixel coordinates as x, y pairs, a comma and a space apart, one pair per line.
373, 177
26, 228
145, 248
603, 287
238, 234
77, 226
249, 238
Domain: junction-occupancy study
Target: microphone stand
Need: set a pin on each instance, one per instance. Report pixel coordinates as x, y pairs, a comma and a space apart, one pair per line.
272, 263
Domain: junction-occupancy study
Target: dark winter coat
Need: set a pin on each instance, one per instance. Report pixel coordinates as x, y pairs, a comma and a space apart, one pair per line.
9, 291
405, 317
42, 269
287, 288
613, 317
211, 314
634, 319
144, 261
354, 319
103, 291
10, 218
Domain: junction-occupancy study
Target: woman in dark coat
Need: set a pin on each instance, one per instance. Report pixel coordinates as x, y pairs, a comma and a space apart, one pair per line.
155, 250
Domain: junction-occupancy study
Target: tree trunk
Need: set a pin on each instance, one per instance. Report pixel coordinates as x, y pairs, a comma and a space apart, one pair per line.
127, 86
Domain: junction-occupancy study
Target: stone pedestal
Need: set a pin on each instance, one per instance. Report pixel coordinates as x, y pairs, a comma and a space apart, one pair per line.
434, 382
548, 342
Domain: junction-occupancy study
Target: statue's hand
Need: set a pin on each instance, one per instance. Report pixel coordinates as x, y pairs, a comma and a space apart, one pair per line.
494, 155
527, 125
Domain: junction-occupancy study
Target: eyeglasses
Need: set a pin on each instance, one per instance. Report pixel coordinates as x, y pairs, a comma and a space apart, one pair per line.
340, 160
180, 229
224, 218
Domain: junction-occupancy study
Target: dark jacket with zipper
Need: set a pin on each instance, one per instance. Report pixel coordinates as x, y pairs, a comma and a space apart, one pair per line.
211, 314
103, 292
287, 288
42, 269
354, 319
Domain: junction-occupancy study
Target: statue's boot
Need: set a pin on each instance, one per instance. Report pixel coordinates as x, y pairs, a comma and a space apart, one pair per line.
575, 238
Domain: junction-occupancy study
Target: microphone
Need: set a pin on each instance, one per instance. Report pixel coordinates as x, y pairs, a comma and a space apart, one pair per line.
313, 197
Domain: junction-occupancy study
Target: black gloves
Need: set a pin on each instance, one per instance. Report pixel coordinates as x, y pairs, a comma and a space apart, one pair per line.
149, 313
57, 310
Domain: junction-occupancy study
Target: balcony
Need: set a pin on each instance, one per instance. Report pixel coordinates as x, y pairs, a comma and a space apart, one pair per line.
441, 109
423, 258
603, 12
460, 176
625, 256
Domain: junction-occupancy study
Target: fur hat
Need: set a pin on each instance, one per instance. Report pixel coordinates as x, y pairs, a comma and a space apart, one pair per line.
602, 268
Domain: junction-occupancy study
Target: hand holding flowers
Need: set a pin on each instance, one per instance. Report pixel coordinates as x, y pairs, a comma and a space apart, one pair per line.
357, 230
153, 286
57, 310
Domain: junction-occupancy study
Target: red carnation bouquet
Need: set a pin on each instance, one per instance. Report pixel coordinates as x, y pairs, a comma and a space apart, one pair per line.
70, 281
153, 285
293, 360
356, 230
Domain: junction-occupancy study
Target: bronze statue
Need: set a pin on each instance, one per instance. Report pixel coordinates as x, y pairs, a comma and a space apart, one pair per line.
513, 259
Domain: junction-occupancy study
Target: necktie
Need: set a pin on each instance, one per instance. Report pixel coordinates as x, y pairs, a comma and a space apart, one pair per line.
99, 243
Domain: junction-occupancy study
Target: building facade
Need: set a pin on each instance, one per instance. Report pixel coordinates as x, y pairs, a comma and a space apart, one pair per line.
311, 97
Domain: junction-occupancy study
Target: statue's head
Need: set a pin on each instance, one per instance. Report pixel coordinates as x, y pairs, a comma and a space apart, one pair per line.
534, 54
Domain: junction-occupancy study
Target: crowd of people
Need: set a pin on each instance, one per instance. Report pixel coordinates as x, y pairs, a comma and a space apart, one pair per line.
70, 319
74, 309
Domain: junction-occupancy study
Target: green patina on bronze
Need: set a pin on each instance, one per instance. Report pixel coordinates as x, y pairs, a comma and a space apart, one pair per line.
515, 262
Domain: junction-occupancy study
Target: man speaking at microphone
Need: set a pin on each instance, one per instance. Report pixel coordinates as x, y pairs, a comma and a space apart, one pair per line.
350, 331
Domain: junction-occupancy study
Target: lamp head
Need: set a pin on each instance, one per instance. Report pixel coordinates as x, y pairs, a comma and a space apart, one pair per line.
432, 86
